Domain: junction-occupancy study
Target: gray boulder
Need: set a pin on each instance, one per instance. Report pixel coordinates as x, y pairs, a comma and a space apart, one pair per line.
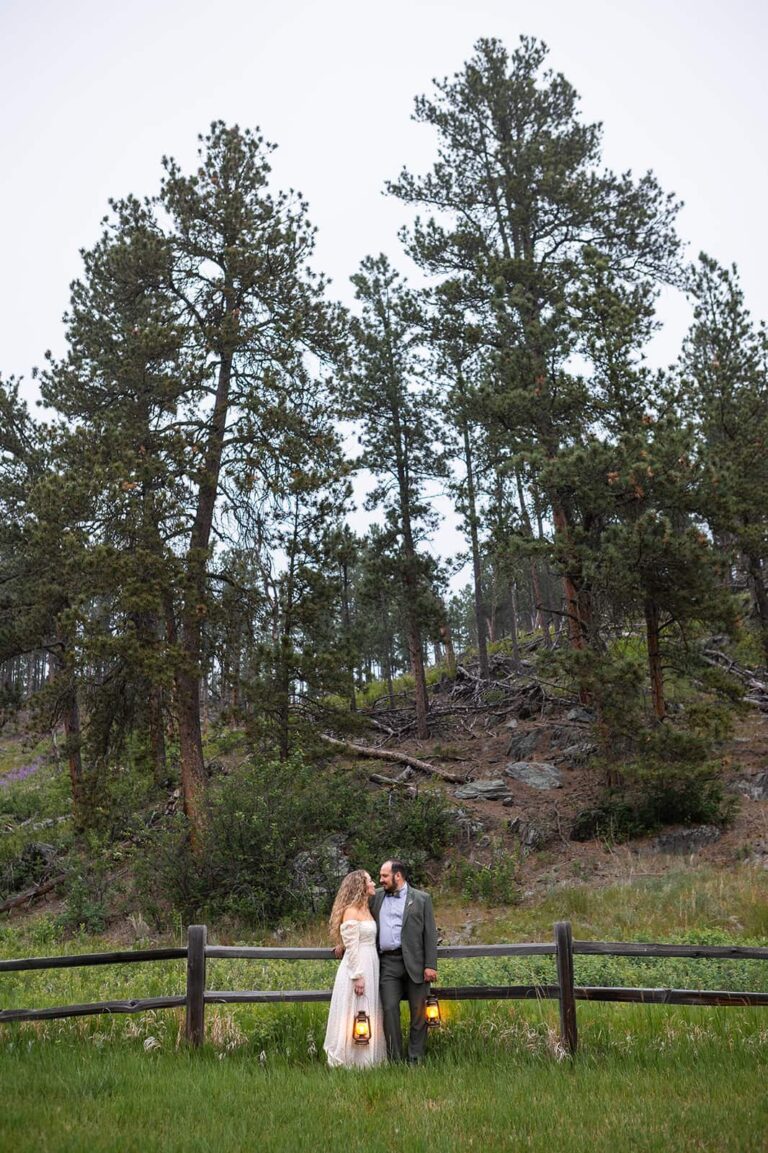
319, 870
536, 774
468, 826
754, 787
579, 753
581, 715
493, 790
522, 745
531, 836
686, 840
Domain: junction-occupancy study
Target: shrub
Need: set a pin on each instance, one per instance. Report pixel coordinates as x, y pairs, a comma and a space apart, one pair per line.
269, 816
494, 883
89, 890
654, 794
414, 829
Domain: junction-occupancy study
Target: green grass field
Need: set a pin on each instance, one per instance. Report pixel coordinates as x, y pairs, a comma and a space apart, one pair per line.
644, 1081
645, 1078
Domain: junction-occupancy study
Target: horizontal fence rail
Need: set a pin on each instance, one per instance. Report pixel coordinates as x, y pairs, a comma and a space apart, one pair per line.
197, 953
641, 949
140, 1005
80, 960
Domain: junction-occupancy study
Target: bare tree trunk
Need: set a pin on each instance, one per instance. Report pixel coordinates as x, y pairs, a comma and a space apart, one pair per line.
572, 600
654, 657
513, 625
70, 716
420, 681
545, 591
450, 654
188, 676
156, 727
760, 597
346, 622
539, 619
388, 675
477, 573
413, 628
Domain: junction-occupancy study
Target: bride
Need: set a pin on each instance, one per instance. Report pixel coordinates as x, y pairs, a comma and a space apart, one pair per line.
356, 986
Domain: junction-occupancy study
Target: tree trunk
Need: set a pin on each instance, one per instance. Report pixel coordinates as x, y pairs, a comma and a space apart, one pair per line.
69, 712
543, 594
477, 573
450, 654
388, 676
413, 629
81, 798
420, 681
513, 626
760, 597
654, 657
188, 676
346, 623
538, 616
156, 727
572, 606
193, 781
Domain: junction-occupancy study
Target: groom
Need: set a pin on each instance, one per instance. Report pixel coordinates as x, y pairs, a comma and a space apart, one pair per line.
407, 943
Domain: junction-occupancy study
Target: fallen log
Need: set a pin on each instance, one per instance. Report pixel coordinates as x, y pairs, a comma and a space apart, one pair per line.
756, 688
392, 755
31, 894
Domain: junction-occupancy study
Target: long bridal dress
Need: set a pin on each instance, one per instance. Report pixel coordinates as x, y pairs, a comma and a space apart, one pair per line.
360, 960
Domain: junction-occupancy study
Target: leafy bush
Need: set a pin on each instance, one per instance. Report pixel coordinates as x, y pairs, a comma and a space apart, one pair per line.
89, 891
413, 829
654, 794
273, 839
494, 883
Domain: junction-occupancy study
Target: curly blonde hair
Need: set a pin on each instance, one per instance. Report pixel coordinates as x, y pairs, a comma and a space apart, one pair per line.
353, 890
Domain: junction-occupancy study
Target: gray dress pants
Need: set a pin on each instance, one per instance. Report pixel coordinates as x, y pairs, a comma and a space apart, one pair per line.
395, 986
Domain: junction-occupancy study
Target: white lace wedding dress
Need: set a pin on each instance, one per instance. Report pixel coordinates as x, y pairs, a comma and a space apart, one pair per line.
360, 960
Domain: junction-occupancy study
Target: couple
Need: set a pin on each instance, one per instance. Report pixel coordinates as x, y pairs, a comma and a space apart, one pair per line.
389, 940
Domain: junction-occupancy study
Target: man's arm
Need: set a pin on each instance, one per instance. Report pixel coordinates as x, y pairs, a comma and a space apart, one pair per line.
430, 940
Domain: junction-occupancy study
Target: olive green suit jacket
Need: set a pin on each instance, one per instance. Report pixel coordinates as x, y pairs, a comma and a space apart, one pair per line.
419, 934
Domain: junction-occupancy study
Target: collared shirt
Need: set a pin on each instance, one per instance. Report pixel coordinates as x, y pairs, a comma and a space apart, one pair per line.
391, 920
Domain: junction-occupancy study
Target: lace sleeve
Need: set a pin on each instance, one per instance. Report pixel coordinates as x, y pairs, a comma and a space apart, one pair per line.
350, 936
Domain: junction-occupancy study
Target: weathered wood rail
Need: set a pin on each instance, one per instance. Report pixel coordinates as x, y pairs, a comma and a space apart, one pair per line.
563, 948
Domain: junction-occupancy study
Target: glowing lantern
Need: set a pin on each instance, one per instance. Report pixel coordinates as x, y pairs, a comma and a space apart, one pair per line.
361, 1028
432, 1011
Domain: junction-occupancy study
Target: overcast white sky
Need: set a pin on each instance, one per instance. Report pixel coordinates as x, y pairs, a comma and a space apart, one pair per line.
94, 92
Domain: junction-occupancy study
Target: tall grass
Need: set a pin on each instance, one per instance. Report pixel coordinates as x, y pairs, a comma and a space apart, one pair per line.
643, 1082
646, 1077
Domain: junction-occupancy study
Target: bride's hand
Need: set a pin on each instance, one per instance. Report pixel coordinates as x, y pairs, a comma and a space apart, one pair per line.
359, 987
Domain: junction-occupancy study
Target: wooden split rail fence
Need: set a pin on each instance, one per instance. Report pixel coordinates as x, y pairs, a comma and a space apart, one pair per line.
197, 953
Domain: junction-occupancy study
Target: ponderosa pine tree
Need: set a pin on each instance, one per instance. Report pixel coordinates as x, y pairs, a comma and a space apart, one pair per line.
116, 392
41, 552
724, 369
252, 311
397, 416
518, 191
293, 532
218, 267
632, 480
454, 347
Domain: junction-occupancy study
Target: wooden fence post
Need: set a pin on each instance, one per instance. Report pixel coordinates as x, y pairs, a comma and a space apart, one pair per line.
564, 947
197, 936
